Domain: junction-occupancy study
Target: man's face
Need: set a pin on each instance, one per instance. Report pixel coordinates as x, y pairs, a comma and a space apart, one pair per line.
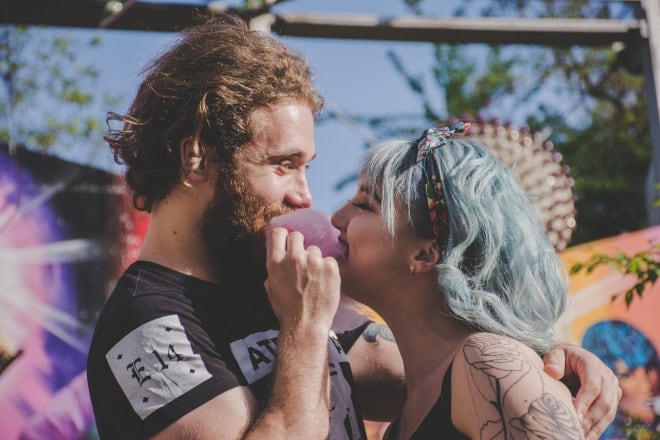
274, 163
270, 179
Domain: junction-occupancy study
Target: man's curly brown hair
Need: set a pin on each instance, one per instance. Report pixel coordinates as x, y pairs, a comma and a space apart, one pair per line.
205, 86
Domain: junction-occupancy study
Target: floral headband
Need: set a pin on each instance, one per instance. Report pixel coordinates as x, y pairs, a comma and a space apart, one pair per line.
432, 139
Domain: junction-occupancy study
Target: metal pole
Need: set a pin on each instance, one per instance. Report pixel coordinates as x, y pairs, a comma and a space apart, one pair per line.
651, 65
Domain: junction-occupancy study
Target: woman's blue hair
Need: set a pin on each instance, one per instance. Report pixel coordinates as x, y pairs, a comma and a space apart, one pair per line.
499, 272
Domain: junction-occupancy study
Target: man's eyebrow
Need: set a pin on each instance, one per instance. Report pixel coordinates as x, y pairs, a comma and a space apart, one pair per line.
288, 155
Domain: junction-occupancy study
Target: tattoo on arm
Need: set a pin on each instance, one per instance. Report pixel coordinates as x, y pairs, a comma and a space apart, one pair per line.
497, 366
547, 417
375, 329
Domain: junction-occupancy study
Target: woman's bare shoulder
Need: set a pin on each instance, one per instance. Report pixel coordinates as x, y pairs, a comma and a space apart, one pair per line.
498, 386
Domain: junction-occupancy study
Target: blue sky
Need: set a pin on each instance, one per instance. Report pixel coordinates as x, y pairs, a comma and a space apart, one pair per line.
354, 77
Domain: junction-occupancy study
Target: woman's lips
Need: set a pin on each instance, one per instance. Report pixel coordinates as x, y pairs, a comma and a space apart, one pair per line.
343, 243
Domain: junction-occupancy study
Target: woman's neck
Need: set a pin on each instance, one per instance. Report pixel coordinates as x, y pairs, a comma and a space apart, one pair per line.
428, 341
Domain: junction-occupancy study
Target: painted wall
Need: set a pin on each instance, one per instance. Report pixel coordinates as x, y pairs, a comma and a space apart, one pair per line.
626, 339
65, 233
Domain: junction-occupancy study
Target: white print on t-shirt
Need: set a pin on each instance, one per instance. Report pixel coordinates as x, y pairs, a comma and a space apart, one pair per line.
154, 364
255, 355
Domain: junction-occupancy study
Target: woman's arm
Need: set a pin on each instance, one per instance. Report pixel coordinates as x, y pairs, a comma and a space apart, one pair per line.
508, 393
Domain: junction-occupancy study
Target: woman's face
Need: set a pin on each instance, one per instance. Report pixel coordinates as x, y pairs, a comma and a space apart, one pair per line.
374, 260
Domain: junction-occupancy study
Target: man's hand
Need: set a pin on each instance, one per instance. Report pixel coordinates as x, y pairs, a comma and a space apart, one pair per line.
302, 285
598, 395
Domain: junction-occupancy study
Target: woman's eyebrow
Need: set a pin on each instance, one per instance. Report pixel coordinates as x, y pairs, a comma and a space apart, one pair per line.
365, 190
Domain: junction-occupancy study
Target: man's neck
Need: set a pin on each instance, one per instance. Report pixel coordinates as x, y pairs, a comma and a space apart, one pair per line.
174, 239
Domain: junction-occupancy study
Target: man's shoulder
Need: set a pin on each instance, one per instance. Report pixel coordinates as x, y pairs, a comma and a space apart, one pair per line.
144, 293
150, 287
154, 330
145, 278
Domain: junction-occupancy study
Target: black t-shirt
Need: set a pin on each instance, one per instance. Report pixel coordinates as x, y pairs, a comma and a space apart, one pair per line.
166, 343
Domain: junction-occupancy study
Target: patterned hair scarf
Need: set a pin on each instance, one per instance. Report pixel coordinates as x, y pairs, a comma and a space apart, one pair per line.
432, 139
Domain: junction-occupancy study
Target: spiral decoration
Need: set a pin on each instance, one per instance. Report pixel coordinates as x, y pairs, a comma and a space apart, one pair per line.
540, 172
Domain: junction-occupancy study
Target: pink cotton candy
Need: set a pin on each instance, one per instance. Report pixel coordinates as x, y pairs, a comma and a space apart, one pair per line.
316, 228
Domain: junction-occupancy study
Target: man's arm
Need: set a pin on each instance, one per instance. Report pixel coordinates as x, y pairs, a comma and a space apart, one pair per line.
378, 373
298, 406
227, 416
298, 392
303, 288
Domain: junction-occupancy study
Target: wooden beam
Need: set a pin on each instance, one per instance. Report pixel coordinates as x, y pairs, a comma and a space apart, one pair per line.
542, 31
163, 17
168, 17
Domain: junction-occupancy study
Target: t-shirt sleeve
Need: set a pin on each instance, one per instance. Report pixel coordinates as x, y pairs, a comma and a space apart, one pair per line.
348, 338
154, 361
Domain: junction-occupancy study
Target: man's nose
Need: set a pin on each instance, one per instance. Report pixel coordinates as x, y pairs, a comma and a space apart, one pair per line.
299, 196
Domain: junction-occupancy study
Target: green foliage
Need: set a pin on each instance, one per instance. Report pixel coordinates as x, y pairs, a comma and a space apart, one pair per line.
645, 266
635, 429
591, 99
48, 98
593, 106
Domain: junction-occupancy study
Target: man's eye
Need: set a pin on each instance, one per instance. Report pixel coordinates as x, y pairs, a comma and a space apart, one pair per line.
286, 164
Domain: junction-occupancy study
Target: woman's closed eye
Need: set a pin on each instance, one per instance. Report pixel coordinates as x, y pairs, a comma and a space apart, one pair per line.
362, 205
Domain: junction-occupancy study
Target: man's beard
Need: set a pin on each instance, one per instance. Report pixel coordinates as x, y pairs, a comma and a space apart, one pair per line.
233, 228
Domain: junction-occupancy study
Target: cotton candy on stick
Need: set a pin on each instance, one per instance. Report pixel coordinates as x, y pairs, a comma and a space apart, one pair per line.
316, 227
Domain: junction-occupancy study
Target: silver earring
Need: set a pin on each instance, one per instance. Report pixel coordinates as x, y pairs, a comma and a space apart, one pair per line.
412, 269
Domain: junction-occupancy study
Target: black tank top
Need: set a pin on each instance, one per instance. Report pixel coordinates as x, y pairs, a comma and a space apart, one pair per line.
437, 423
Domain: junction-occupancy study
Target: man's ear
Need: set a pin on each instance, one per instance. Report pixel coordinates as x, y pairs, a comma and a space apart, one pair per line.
194, 161
427, 256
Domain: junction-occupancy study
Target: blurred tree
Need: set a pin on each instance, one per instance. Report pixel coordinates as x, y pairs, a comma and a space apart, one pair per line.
586, 99
48, 98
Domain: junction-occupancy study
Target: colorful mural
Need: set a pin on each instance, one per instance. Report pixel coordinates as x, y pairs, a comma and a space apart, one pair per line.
59, 254
626, 339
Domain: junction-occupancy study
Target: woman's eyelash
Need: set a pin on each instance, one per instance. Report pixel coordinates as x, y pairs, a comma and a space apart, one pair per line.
361, 205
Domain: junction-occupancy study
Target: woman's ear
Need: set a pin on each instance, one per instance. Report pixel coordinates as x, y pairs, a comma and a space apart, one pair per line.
194, 161
427, 257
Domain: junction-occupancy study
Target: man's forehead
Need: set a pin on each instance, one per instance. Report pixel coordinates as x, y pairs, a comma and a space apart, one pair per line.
263, 118
273, 151
282, 133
